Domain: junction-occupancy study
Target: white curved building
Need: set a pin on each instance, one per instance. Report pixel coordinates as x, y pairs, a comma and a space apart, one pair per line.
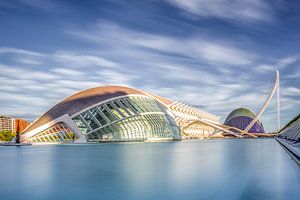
193, 122
115, 113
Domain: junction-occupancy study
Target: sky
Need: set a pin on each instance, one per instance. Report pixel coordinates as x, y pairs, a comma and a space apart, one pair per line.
217, 55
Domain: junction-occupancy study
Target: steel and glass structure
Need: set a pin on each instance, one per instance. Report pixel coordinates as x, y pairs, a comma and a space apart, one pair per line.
292, 131
130, 118
115, 114
193, 122
289, 138
241, 118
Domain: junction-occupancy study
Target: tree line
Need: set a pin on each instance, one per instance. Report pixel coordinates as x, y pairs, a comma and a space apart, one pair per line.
6, 135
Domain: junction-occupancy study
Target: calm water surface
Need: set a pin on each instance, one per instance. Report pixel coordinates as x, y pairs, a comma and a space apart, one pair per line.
209, 169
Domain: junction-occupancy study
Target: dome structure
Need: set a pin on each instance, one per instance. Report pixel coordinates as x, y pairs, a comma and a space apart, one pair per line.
112, 113
109, 113
241, 118
86, 98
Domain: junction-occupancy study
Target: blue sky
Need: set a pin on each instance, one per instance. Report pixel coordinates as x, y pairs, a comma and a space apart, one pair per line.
217, 55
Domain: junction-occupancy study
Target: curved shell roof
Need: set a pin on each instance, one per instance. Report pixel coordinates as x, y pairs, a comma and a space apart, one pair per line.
240, 112
81, 100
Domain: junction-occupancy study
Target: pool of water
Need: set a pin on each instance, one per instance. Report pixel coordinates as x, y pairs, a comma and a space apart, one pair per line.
206, 169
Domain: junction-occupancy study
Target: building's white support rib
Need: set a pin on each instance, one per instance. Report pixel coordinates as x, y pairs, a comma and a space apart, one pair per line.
186, 115
278, 104
64, 119
215, 126
265, 105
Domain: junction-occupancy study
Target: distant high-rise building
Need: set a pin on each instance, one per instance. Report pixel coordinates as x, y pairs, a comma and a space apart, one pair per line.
14, 125
7, 124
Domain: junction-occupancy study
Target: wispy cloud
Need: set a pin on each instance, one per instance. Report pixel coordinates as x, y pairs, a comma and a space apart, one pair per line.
217, 75
82, 60
209, 50
243, 10
67, 72
292, 91
42, 5
6, 50
50, 77
285, 62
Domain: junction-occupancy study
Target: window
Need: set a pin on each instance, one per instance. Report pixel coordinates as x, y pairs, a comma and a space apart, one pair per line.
122, 109
114, 111
98, 116
127, 106
89, 120
107, 114
79, 123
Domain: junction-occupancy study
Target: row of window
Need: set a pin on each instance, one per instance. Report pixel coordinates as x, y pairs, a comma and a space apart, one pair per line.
56, 133
127, 118
139, 127
123, 119
107, 113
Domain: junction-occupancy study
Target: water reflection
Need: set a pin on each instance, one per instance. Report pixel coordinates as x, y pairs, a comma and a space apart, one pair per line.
209, 169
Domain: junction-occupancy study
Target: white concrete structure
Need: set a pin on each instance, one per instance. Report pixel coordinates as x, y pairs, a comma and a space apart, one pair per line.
115, 113
267, 102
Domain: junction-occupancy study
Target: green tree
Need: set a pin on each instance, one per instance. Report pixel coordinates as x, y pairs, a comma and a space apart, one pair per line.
6, 135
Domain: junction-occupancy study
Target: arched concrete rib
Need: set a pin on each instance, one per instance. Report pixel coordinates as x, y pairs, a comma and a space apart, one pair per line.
265, 105
216, 126
278, 106
239, 130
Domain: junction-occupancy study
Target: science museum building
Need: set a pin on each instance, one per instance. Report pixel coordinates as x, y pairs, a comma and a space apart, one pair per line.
118, 114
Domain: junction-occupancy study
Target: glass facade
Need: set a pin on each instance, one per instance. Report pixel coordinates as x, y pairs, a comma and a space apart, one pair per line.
59, 133
131, 118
